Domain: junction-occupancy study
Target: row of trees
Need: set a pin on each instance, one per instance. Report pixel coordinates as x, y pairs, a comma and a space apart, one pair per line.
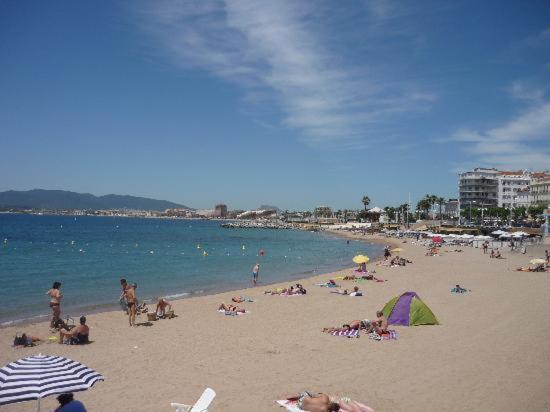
428, 202
518, 213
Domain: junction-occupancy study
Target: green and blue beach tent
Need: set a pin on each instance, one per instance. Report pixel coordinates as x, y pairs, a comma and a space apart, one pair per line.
408, 310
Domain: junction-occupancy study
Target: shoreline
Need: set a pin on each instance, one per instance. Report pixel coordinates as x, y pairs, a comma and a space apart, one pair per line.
99, 308
278, 347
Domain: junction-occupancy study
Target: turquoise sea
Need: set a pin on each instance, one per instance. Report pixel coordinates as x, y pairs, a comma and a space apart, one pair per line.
172, 258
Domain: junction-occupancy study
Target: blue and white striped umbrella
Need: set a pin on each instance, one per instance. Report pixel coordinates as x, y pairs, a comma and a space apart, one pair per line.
39, 376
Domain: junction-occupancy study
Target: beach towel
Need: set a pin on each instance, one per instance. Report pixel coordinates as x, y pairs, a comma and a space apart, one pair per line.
392, 334
352, 333
289, 405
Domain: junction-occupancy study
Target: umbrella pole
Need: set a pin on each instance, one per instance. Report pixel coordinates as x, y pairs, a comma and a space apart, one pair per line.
38, 404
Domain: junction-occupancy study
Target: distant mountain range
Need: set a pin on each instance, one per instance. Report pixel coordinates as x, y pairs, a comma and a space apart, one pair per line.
64, 200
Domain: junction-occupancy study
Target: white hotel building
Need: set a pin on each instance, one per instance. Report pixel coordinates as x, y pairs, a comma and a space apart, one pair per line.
486, 188
510, 185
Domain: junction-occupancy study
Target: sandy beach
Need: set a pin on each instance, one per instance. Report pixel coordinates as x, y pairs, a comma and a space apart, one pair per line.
489, 353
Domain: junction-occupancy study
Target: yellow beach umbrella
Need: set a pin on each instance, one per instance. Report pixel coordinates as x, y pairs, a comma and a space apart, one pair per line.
537, 261
361, 259
397, 249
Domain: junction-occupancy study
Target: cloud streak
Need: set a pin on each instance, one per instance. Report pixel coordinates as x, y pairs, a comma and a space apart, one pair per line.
274, 47
518, 143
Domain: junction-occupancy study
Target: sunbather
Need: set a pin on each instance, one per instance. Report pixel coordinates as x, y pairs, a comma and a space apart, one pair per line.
353, 325
458, 289
356, 292
380, 325
77, 335
314, 403
231, 308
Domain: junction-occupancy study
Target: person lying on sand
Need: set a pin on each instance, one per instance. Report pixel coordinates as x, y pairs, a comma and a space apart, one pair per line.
77, 335
380, 325
340, 291
356, 292
353, 325
458, 289
231, 308
26, 340
307, 401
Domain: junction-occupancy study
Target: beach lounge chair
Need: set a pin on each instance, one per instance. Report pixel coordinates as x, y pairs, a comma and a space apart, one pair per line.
200, 406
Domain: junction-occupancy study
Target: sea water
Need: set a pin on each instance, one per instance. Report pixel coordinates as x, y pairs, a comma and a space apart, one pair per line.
165, 257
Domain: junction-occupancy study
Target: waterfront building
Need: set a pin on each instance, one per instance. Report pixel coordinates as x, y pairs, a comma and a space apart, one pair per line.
523, 198
478, 188
540, 189
220, 210
323, 211
509, 184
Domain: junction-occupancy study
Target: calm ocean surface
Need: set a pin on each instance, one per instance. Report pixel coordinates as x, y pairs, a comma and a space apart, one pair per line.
89, 255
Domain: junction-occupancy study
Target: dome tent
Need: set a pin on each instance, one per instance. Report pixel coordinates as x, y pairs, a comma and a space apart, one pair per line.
409, 310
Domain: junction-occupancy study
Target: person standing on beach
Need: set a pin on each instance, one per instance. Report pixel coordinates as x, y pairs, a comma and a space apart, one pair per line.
255, 273
130, 295
387, 253
55, 301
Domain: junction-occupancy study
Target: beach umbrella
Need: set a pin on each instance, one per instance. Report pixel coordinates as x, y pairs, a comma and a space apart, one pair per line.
520, 234
361, 259
437, 239
537, 261
498, 232
397, 249
39, 376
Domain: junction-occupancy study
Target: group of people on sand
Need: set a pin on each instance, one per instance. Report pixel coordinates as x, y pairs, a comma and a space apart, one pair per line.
379, 326
71, 334
129, 302
297, 289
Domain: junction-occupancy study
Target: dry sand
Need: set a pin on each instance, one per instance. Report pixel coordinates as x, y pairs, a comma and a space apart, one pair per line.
490, 353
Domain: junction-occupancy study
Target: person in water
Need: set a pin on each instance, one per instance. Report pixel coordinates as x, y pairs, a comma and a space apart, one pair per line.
55, 303
255, 273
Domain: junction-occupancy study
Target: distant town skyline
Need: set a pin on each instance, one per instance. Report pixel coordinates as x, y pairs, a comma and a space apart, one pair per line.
290, 104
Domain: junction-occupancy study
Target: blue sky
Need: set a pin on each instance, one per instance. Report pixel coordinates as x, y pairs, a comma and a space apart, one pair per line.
247, 102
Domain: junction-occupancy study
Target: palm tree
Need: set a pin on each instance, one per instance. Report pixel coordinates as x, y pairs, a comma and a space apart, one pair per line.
365, 201
424, 204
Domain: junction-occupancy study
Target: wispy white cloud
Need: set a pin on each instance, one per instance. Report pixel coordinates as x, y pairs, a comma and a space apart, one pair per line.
273, 46
522, 142
521, 90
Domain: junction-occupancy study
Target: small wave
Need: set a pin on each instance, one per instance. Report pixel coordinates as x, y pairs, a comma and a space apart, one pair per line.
177, 295
22, 320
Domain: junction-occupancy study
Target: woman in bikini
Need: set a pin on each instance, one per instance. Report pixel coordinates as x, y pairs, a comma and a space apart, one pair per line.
55, 300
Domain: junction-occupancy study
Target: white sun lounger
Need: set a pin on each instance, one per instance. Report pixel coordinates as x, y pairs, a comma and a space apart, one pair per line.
200, 406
